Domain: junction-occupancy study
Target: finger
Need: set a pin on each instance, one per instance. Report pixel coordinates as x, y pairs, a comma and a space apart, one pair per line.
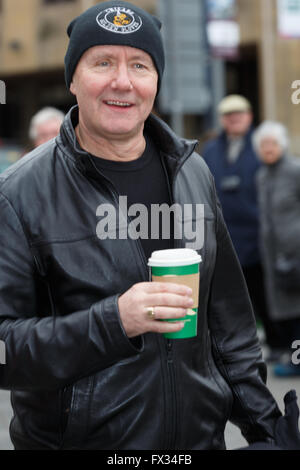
167, 313
168, 300
170, 287
166, 327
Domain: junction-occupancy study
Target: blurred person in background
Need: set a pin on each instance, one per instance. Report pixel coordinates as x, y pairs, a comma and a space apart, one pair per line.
45, 125
278, 184
234, 163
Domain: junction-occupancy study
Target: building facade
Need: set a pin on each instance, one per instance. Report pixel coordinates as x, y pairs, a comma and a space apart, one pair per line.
277, 64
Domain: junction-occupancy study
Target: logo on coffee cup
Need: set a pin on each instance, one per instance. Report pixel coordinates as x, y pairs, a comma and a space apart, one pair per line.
119, 20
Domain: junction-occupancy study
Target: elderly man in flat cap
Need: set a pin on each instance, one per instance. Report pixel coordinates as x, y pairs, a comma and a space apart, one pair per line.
234, 164
86, 358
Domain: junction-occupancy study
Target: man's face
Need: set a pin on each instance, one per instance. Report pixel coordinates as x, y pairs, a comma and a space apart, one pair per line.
270, 151
115, 87
236, 124
46, 131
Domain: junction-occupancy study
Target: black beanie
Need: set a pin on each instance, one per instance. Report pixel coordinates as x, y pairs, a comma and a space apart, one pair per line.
114, 23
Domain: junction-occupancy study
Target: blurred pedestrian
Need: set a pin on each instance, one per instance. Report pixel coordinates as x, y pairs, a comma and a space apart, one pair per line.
45, 125
279, 198
234, 163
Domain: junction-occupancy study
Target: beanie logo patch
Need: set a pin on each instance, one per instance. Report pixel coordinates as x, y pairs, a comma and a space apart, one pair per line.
119, 20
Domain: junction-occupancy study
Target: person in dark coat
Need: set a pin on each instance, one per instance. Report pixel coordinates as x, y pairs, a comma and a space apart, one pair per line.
278, 183
234, 164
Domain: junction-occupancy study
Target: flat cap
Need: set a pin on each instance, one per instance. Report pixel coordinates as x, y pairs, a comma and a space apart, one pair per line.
234, 103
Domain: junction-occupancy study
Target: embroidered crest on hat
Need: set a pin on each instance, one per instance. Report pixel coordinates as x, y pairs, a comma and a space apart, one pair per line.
119, 20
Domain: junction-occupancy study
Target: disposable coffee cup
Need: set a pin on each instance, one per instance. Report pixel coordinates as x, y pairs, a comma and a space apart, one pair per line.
179, 266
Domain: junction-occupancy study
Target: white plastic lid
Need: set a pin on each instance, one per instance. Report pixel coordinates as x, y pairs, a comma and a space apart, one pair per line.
174, 257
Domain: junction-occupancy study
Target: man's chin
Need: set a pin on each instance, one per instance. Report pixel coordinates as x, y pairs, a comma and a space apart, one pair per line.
120, 132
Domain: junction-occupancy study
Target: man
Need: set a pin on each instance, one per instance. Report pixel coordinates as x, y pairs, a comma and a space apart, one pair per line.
87, 363
234, 164
45, 125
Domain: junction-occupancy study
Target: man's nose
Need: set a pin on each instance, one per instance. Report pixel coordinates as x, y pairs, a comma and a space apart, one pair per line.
122, 80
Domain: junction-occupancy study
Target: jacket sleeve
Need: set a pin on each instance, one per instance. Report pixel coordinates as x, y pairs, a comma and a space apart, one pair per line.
44, 352
235, 344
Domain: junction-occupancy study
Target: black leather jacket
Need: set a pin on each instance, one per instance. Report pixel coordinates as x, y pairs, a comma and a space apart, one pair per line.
77, 381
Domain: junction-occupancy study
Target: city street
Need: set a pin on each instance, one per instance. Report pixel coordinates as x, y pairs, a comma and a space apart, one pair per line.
232, 436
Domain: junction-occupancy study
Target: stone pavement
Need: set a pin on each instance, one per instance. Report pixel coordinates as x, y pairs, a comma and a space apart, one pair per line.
233, 437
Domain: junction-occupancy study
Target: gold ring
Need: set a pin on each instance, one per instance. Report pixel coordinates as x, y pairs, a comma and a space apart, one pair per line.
151, 313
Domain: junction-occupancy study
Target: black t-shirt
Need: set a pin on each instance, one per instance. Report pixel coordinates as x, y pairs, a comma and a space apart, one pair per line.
144, 181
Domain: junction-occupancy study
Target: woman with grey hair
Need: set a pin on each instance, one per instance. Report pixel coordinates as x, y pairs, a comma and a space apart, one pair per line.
278, 183
45, 125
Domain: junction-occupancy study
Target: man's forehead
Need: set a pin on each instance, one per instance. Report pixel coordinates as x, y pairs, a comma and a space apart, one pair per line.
114, 51
236, 113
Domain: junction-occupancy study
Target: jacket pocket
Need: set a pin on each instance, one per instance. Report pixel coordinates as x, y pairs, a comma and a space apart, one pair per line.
224, 388
66, 405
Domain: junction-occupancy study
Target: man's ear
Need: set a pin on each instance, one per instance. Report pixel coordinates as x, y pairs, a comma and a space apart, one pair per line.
72, 88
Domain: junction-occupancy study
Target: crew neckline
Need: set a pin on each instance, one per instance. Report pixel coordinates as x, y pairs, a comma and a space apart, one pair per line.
132, 165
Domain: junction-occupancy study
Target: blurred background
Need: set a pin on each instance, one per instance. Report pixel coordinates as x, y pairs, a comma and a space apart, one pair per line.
213, 48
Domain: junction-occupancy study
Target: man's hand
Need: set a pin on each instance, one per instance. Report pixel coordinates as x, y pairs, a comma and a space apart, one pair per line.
170, 301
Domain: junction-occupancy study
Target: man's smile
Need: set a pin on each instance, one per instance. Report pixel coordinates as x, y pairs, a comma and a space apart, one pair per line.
119, 104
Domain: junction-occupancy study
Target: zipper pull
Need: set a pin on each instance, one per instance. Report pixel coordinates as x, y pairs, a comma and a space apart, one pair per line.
169, 351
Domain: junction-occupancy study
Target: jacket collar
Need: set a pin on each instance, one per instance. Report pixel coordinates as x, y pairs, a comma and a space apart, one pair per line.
173, 148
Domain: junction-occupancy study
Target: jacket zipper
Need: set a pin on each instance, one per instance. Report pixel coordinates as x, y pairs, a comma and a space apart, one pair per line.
171, 444
169, 346
65, 399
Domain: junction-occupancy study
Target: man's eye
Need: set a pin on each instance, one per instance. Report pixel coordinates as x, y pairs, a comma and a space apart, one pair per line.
104, 63
139, 66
